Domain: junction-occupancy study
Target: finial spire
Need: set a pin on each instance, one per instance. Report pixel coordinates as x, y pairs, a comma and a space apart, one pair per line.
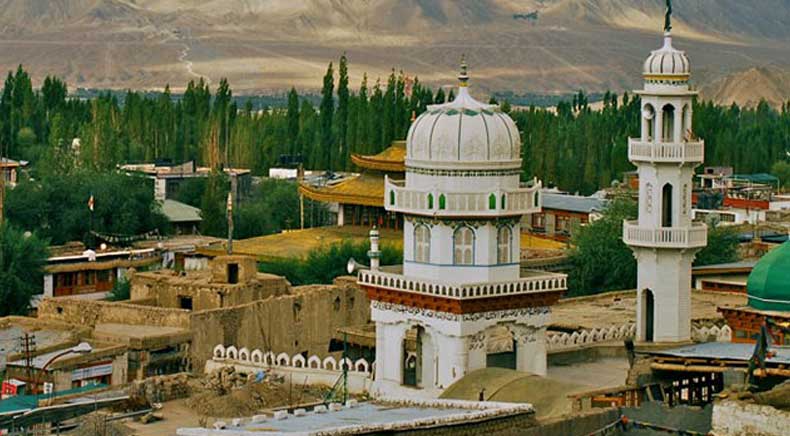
668, 17
463, 76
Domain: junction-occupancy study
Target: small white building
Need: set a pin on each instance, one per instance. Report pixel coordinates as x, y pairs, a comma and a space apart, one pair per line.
664, 238
460, 283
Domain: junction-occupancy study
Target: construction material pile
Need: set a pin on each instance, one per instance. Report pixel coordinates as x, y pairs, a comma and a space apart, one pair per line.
227, 393
161, 388
778, 397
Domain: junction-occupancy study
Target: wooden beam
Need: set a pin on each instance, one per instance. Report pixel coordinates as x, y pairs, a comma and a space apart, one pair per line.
717, 369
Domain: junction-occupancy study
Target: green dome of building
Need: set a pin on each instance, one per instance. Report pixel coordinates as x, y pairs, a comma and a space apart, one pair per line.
769, 282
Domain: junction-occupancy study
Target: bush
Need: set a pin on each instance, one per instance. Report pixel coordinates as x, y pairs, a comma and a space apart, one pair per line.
324, 264
121, 290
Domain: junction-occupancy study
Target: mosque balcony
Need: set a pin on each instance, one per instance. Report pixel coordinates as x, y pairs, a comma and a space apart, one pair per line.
535, 282
692, 152
520, 201
694, 236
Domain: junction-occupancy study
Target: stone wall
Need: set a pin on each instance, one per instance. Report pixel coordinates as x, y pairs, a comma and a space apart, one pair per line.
169, 289
304, 321
731, 418
89, 313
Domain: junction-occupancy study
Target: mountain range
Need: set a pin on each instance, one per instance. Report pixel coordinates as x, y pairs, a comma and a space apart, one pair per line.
521, 46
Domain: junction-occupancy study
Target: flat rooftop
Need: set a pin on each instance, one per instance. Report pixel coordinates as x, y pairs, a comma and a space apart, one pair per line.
297, 243
725, 350
618, 308
11, 335
369, 417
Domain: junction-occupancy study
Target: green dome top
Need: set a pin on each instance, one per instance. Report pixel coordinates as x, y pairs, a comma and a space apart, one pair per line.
769, 282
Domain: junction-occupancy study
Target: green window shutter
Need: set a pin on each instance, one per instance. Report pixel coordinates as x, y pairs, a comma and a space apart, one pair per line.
503, 202
492, 202
430, 201
392, 198
442, 202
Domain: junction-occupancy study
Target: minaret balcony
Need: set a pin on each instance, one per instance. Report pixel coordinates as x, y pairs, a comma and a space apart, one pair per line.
693, 236
691, 152
512, 202
533, 283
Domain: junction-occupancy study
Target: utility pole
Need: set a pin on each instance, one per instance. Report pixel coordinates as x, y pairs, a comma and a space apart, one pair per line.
299, 179
28, 344
230, 222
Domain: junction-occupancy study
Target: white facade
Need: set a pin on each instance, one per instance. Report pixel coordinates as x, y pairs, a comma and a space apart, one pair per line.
462, 202
664, 238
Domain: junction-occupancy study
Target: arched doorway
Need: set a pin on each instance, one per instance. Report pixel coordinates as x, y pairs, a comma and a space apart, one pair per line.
419, 362
666, 205
648, 301
500, 348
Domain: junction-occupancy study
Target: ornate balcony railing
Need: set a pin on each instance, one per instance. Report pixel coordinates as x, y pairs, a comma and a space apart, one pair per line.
546, 282
673, 152
520, 201
694, 236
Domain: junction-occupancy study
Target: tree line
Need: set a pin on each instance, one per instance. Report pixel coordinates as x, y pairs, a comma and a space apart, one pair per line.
571, 146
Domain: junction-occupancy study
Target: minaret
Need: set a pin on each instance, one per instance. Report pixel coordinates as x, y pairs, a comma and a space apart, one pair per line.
664, 238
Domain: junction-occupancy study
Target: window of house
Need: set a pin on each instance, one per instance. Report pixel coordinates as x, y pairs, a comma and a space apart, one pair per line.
463, 246
103, 276
430, 201
442, 201
539, 220
503, 244
563, 224
422, 244
492, 201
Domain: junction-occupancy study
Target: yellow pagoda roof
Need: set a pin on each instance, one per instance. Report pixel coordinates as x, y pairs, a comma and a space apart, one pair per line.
367, 189
390, 159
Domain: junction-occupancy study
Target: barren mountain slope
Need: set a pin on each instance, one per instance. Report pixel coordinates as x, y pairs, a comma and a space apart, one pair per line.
270, 45
747, 88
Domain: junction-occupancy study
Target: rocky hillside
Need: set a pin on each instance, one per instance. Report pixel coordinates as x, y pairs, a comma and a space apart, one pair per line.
749, 87
524, 46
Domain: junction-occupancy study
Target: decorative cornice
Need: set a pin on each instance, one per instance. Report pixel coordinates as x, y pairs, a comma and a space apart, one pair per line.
474, 223
462, 172
477, 316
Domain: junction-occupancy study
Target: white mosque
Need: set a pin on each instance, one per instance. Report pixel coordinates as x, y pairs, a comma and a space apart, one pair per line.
461, 280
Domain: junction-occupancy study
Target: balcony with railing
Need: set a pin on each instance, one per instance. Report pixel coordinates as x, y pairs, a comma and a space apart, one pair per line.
694, 236
533, 283
672, 152
520, 201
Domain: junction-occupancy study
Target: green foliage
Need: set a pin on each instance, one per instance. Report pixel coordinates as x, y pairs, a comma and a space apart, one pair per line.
213, 206
22, 258
190, 191
56, 206
781, 170
601, 261
324, 264
722, 246
575, 148
121, 290
272, 208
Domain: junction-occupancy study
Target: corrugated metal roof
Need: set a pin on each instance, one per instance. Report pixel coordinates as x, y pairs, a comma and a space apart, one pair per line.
725, 350
729, 265
572, 203
177, 212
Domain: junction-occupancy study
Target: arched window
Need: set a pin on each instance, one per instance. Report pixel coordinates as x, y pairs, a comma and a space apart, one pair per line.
392, 198
668, 122
503, 202
463, 246
666, 206
442, 202
503, 244
684, 120
492, 201
649, 115
422, 244
430, 201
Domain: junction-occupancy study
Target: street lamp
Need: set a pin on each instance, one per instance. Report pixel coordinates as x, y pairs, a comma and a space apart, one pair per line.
81, 348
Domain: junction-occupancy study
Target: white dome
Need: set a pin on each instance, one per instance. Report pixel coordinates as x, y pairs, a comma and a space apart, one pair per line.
464, 134
667, 61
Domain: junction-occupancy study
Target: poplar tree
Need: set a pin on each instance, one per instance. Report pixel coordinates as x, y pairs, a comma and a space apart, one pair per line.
326, 153
342, 155
293, 122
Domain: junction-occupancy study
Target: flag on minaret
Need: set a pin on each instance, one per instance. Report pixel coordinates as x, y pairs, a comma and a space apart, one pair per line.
90, 203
